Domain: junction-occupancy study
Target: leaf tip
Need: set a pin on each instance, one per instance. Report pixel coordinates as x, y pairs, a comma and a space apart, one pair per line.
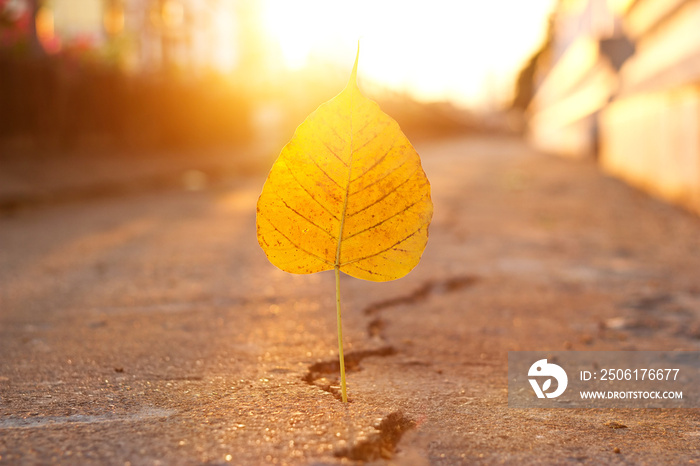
353, 74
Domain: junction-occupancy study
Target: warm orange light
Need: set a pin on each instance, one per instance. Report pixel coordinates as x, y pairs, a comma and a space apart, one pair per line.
44, 24
45, 30
172, 14
113, 19
224, 32
466, 52
619, 6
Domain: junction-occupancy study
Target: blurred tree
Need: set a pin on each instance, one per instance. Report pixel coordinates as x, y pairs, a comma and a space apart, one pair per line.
35, 48
526, 84
18, 27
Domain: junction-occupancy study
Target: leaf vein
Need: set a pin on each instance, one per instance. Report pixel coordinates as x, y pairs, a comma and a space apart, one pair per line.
303, 216
386, 249
391, 172
395, 189
369, 271
377, 162
322, 170
297, 246
364, 127
332, 128
374, 136
387, 218
308, 192
330, 149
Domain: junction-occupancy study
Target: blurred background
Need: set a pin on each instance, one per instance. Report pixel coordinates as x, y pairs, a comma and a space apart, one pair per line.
206, 86
92, 88
617, 81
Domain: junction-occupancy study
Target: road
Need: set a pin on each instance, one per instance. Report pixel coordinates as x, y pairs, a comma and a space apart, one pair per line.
149, 328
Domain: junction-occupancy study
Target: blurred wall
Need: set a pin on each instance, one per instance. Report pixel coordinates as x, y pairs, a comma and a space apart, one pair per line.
626, 89
586, 48
650, 133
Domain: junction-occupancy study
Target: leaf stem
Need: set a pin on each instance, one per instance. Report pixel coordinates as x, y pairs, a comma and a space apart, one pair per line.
343, 389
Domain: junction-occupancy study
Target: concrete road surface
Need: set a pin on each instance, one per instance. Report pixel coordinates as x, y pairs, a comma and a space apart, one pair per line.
150, 328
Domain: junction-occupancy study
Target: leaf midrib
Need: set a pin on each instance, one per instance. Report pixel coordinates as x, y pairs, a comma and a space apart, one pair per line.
347, 190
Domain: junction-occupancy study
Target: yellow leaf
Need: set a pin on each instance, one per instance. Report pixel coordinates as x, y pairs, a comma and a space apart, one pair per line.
348, 193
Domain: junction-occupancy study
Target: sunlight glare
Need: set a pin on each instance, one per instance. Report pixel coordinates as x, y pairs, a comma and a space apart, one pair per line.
467, 52
224, 29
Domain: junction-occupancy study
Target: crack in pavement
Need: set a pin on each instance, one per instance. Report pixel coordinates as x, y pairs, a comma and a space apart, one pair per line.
376, 327
423, 292
318, 372
325, 374
381, 445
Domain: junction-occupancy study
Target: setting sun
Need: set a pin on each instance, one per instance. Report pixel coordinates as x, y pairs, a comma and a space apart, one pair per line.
466, 52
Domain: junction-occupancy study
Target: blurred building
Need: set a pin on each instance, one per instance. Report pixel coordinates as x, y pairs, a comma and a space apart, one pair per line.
620, 82
149, 34
122, 74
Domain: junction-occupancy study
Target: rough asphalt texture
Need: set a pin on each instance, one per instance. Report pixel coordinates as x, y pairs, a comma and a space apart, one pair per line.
150, 328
